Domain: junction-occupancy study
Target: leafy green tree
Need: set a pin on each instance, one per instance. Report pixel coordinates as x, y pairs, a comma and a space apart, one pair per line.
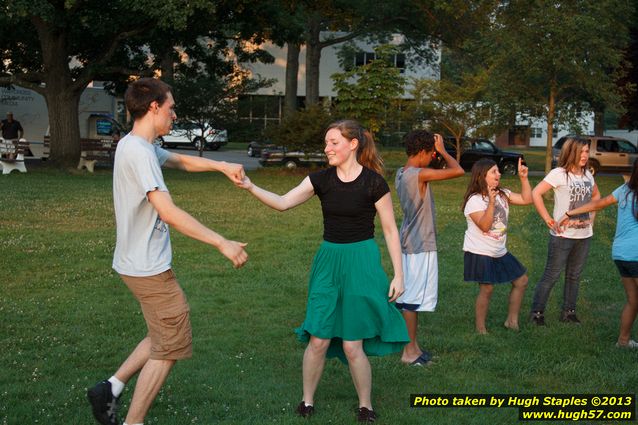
423, 24
57, 48
302, 130
366, 92
209, 99
552, 59
456, 108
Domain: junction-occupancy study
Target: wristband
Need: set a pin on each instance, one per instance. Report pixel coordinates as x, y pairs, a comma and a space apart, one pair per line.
568, 216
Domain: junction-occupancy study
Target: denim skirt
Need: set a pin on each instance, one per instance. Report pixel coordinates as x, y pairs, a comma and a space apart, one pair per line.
486, 269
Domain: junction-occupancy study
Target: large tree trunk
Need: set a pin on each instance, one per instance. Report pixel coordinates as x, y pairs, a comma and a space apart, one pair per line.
64, 128
62, 95
292, 69
313, 59
599, 122
550, 127
167, 66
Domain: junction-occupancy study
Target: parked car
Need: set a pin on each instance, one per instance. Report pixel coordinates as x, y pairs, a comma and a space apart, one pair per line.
255, 148
279, 156
474, 149
189, 134
605, 153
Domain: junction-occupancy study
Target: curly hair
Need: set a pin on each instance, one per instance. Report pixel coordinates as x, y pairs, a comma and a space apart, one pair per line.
417, 141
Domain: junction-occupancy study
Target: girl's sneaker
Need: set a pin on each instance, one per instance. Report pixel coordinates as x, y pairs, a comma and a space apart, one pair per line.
630, 344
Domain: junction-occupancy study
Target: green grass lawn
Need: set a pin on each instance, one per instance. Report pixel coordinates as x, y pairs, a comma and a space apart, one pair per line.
69, 321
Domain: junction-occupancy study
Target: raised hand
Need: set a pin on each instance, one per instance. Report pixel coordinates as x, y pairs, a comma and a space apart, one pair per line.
522, 169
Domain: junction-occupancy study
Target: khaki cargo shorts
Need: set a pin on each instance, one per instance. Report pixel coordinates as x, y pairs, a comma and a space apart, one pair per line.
166, 313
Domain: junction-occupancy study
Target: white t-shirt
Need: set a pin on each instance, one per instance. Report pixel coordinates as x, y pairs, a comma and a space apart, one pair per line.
492, 242
143, 245
571, 191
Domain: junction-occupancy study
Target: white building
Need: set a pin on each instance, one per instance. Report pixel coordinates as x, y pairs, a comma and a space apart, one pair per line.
267, 103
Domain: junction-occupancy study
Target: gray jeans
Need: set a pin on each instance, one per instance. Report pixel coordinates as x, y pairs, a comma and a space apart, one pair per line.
562, 253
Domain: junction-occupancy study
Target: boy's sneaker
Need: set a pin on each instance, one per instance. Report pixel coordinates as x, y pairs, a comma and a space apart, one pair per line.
537, 318
103, 403
569, 316
305, 411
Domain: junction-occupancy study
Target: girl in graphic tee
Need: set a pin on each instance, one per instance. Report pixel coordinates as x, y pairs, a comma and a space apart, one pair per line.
573, 186
623, 250
486, 260
349, 312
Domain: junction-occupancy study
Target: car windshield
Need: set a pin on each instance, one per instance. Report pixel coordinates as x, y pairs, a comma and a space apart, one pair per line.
626, 147
483, 146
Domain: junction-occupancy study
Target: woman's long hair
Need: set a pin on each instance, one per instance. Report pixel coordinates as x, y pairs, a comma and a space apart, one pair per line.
632, 184
477, 184
569, 157
367, 154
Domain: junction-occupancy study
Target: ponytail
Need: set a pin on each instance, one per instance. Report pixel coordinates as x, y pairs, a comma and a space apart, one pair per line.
367, 154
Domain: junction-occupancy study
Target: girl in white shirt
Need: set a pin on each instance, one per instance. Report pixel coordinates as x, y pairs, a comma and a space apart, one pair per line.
486, 260
573, 186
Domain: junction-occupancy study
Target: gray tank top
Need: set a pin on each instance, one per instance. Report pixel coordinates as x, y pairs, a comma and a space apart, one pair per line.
418, 231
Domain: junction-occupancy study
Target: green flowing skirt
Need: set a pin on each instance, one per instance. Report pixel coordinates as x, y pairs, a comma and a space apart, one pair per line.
348, 300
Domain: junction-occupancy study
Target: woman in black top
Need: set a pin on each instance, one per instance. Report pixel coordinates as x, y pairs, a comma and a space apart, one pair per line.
348, 314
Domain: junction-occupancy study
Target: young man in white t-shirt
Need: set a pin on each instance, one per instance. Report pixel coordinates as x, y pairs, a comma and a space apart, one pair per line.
144, 210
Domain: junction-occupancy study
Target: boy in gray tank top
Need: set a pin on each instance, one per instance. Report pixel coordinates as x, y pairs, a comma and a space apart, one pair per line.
418, 232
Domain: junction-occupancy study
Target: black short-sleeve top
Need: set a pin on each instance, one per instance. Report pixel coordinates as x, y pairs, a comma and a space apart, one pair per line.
348, 207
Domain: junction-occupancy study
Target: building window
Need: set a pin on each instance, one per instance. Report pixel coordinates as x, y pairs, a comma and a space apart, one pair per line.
399, 62
536, 132
364, 58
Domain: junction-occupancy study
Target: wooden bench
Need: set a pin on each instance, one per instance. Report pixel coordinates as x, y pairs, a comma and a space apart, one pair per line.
93, 151
12, 155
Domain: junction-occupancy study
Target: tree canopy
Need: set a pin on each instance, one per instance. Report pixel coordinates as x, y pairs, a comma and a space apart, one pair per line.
553, 58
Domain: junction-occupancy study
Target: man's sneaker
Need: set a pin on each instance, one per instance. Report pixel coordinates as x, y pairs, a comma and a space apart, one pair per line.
366, 415
537, 318
305, 411
103, 403
569, 316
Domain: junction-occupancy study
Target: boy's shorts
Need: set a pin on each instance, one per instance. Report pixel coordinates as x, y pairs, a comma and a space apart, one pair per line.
166, 313
421, 282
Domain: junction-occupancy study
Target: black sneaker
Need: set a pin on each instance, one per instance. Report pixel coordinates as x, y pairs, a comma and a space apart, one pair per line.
569, 316
103, 403
305, 411
537, 318
366, 415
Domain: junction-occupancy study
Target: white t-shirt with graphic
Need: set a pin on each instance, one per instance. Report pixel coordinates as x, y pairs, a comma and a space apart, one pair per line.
571, 191
490, 243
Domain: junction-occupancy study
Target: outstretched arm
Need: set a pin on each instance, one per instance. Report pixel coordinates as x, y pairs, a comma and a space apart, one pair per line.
595, 205
194, 164
525, 197
296, 196
391, 235
184, 223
